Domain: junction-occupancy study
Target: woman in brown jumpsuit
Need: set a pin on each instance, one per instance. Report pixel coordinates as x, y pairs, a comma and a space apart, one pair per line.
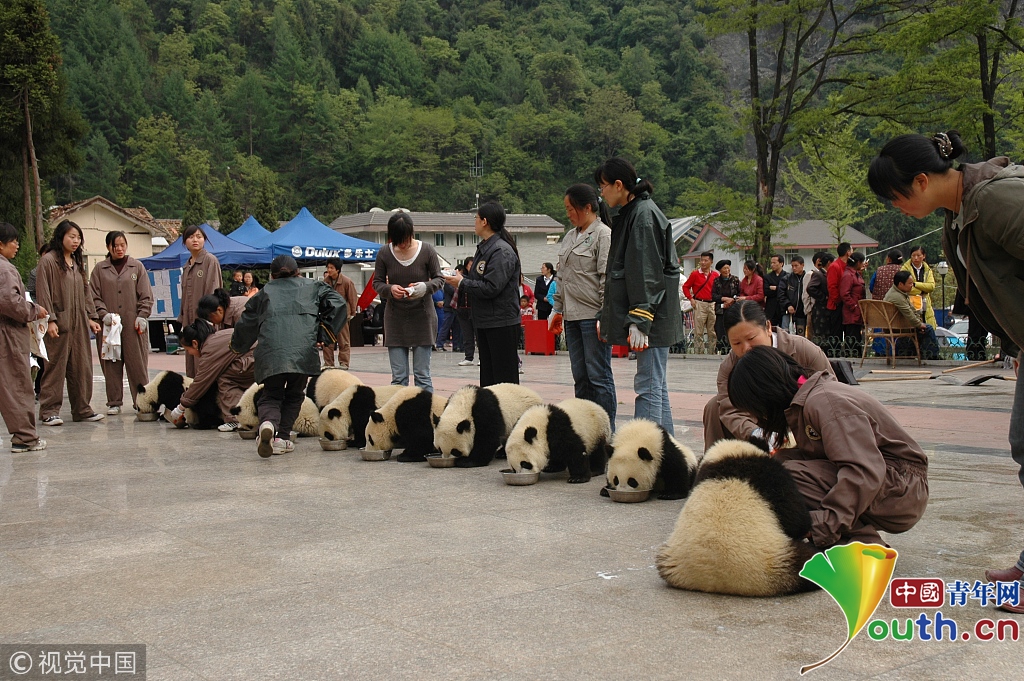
61, 287
199, 277
120, 285
15, 313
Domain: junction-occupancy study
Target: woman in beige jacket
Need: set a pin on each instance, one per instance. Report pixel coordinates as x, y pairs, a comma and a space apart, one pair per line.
62, 289
120, 285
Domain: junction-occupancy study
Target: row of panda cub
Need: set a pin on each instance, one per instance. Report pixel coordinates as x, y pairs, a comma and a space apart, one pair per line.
740, 532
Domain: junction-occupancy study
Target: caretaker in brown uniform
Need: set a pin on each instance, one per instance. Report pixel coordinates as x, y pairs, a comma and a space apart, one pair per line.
16, 404
120, 285
347, 290
61, 287
858, 470
199, 277
746, 326
217, 365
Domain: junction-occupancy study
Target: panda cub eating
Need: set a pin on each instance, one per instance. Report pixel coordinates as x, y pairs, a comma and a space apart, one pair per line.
644, 454
573, 434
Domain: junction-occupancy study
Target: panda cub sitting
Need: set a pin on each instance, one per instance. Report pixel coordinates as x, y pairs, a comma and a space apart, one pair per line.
643, 454
345, 418
166, 389
741, 531
573, 434
406, 420
477, 420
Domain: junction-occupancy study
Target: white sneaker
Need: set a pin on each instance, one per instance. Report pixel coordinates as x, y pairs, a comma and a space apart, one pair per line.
113, 411
94, 417
227, 427
52, 421
36, 446
266, 436
282, 446
466, 363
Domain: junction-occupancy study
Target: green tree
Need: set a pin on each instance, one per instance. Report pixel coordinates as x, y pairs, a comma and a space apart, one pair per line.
195, 201
154, 169
229, 211
101, 172
266, 212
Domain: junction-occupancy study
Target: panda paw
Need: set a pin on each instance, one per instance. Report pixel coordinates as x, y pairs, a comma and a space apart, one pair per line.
465, 462
578, 480
406, 457
671, 496
604, 491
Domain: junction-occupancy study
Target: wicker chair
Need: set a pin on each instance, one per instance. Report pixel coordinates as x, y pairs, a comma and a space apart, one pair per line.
883, 320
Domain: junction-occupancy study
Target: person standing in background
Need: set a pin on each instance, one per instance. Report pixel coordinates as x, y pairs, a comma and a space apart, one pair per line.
237, 286
851, 292
816, 299
16, 312
540, 289
43, 250
834, 334
346, 288
464, 317
199, 277
924, 284
774, 285
791, 298
881, 280
752, 283
579, 295
63, 289
698, 289
724, 293
120, 285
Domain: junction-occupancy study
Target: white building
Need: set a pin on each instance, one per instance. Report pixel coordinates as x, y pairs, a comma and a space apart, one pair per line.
803, 238
452, 234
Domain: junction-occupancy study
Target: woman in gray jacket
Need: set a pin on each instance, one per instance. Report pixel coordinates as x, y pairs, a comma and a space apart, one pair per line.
492, 285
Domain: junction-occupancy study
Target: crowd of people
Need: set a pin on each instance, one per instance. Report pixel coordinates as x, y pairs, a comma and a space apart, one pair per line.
616, 282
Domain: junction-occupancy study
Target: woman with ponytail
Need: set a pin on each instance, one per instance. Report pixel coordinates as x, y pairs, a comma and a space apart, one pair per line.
579, 295
641, 302
492, 286
983, 240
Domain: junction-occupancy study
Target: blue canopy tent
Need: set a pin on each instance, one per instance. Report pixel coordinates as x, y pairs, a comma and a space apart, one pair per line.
229, 252
305, 238
250, 233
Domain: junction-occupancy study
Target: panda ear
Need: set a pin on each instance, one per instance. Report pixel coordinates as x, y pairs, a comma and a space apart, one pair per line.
140, 389
376, 417
235, 411
436, 419
644, 454
334, 414
463, 426
530, 435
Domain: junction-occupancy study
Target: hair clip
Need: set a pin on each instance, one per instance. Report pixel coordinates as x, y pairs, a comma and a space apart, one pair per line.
945, 146
638, 180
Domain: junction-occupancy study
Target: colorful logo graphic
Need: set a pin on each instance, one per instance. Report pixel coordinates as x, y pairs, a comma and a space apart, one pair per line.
856, 576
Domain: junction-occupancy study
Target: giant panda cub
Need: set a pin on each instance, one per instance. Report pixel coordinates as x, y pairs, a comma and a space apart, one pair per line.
644, 453
166, 390
741, 531
550, 438
406, 420
328, 385
477, 420
345, 418
306, 423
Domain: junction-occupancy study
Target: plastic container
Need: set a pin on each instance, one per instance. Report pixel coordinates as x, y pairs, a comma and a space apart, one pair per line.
172, 343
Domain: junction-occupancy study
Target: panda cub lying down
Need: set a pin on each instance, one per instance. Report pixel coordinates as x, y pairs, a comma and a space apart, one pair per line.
741, 531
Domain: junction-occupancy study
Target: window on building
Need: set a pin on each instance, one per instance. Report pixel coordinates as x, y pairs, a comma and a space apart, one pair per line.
788, 255
460, 239
476, 239
438, 239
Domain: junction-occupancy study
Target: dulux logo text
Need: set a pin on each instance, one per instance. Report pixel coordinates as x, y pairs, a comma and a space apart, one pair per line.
312, 252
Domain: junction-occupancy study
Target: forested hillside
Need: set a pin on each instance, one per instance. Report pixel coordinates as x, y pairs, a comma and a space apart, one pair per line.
341, 105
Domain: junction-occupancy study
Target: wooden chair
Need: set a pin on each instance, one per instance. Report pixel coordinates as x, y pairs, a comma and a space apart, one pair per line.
883, 320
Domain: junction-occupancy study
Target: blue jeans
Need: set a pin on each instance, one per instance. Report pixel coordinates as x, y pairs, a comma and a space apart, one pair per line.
651, 387
591, 361
420, 366
444, 327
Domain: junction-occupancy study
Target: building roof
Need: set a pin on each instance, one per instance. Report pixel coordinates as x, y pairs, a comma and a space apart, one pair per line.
377, 221
139, 216
803, 235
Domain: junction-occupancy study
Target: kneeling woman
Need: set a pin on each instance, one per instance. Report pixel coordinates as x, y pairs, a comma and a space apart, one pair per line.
216, 363
220, 309
858, 470
746, 327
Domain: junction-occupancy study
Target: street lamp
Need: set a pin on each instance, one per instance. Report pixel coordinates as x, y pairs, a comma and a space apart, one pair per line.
943, 269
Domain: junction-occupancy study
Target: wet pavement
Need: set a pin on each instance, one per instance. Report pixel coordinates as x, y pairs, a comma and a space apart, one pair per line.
317, 565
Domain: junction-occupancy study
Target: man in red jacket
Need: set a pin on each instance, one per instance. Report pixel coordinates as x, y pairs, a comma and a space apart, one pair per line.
697, 289
835, 306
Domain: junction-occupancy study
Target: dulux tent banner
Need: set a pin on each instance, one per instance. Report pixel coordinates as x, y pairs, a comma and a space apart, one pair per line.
306, 238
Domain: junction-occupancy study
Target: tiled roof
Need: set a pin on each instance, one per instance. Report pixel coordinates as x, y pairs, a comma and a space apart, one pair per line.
806, 234
140, 216
377, 221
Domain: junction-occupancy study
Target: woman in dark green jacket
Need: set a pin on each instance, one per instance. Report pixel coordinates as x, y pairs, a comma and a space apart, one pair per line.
285, 317
641, 299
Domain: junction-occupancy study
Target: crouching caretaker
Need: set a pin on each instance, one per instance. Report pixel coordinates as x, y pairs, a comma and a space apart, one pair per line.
858, 470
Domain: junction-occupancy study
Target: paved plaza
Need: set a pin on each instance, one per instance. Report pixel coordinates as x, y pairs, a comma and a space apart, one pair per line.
318, 565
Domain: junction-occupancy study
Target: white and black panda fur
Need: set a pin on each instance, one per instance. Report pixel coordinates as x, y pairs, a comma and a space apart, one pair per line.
306, 423
741, 531
477, 420
166, 390
549, 438
643, 454
328, 385
407, 420
345, 418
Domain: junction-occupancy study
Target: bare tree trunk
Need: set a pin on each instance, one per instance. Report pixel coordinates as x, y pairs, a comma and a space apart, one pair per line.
35, 171
27, 192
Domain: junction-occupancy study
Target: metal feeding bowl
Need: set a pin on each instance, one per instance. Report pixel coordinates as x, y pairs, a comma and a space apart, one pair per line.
247, 433
147, 416
440, 461
524, 478
375, 455
629, 496
332, 445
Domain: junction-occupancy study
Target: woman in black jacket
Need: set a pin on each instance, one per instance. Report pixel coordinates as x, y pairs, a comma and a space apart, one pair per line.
492, 286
